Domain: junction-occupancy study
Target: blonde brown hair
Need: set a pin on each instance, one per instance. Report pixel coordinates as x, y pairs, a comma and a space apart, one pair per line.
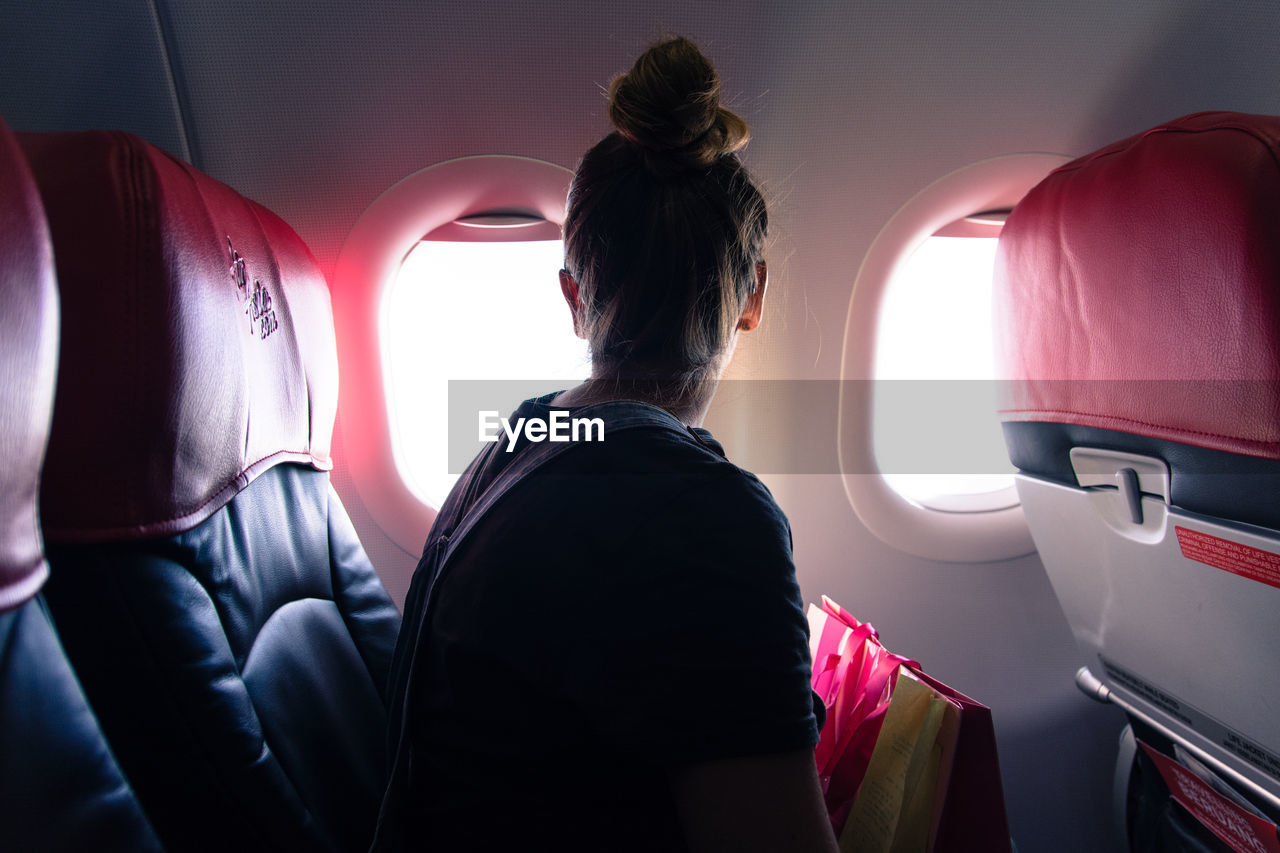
665, 226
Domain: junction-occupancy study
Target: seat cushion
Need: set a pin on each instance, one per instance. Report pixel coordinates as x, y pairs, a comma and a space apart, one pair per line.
239, 668
63, 790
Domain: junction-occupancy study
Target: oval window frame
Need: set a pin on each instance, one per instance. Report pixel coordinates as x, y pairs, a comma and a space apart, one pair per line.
970, 536
370, 258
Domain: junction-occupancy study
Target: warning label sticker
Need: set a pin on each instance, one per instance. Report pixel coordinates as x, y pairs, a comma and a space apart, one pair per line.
1243, 560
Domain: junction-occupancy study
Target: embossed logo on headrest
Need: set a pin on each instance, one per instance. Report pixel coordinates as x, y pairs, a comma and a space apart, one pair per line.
262, 317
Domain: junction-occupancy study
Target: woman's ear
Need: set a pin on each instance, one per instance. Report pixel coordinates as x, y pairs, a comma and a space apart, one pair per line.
569, 289
754, 309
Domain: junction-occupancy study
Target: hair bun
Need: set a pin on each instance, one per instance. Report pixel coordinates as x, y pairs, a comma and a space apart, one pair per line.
669, 105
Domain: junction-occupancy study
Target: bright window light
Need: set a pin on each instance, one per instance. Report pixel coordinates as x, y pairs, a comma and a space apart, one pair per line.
468, 310
935, 403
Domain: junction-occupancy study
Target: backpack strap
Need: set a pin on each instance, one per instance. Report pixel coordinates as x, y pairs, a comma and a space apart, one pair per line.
445, 539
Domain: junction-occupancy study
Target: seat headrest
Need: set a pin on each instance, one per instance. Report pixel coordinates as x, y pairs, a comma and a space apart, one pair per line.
197, 341
28, 364
1139, 288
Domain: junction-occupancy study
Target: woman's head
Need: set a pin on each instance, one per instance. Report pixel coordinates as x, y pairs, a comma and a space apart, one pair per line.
665, 228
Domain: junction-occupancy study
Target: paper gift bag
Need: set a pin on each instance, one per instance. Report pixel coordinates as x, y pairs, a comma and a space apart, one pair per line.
971, 814
937, 779
933, 782
894, 811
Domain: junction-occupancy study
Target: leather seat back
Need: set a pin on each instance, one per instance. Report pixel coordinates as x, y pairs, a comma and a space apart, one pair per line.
228, 627
1138, 321
63, 790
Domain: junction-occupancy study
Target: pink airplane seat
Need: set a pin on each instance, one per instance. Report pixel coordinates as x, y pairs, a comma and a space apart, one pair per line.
63, 790
229, 630
1137, 315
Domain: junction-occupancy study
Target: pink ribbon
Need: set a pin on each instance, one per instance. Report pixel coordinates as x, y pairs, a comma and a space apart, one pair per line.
854, 674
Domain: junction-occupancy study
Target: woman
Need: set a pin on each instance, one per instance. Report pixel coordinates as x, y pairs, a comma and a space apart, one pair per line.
615, 657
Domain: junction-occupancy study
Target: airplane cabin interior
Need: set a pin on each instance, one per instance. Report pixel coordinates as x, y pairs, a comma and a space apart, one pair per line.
1015, 386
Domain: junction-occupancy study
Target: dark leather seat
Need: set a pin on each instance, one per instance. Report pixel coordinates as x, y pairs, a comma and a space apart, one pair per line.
227, 626
63, 790
1137, 300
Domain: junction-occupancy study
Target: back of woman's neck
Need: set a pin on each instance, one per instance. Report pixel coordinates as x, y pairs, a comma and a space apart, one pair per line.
688, 403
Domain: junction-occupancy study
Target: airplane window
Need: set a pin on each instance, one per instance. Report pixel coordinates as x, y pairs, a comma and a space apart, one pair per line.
468, 310
934, 348
451, 273
922, 456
